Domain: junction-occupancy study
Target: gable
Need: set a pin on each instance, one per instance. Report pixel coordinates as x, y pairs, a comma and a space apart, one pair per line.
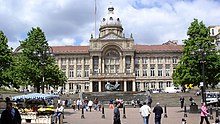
111, 36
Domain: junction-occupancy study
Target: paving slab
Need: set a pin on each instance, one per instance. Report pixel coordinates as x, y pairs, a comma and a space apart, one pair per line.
175, 115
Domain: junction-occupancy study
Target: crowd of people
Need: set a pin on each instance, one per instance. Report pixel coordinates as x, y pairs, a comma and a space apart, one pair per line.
11, 114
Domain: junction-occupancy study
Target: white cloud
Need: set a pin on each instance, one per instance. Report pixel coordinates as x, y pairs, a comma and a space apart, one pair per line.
70, 22
60, 42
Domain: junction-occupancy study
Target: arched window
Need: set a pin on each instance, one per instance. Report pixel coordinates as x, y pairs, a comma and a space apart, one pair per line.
112, 58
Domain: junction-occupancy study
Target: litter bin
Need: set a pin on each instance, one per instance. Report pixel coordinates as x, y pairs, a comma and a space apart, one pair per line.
194, 108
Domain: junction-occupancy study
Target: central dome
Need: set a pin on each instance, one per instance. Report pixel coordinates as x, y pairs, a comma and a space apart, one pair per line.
111, 23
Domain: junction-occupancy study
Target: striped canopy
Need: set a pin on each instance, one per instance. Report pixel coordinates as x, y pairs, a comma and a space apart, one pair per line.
35, 96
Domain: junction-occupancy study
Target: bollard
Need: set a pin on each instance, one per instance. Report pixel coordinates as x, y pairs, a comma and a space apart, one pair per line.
124, 116
185, 114
82, 116
183, 121
165, 111
216, 117
211, 116
103, 112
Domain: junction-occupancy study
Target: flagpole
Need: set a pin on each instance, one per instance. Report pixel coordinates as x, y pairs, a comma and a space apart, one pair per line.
95, 18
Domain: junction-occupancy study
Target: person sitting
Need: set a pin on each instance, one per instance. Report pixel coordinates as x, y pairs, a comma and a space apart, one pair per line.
58, 113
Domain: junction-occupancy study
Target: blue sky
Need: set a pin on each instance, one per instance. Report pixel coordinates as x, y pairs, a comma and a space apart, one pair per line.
71, 22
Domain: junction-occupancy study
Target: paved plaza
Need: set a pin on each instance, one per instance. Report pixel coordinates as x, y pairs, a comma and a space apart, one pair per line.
175, 115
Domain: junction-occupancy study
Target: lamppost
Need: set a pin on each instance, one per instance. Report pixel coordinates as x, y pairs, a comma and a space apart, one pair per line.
43, 54
202, 52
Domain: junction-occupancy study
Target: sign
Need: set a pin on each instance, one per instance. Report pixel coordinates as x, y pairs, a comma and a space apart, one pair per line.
201, 84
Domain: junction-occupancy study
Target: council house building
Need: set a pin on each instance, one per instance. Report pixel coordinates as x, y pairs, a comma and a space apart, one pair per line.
115, 59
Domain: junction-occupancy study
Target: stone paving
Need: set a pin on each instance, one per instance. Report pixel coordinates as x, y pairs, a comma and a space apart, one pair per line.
175, 115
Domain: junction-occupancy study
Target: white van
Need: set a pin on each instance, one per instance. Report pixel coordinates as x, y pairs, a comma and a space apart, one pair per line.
172, 90
213, 98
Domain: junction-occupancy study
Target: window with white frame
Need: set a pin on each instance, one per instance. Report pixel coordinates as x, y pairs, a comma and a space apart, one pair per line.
86, 74
159, 60
167, 70
146, 85
160, 71
72, 61
137, 60
144, 60
71, 71
167, 59
71, 86
86, 86
152, 69
153, 85
168, 84
63, 61
79, 71
161, 85
144, 70
174, 60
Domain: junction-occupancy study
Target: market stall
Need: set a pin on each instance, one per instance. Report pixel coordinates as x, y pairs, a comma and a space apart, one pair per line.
35, 108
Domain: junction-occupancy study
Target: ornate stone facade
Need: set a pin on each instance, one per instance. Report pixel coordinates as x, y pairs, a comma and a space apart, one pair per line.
114, 58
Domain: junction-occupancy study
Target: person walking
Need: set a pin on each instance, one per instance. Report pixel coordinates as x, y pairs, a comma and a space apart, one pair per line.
149, 101
182, 101
204, 114
145, 112
116, 119
10, 115
158, 110
90, 103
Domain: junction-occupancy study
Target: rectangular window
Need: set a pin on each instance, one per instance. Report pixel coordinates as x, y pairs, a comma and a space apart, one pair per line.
152, 70
168, 84
87, 86
159, 60
144, 72
161, 85
174, 60
86, 72
160, 72
144, 60
137, 72
213, 31
137, 60
63, 61
71, 71
79, 71
152, 85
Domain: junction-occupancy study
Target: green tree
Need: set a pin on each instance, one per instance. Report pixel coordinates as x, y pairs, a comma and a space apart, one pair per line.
6, 61
189, 70
33, 67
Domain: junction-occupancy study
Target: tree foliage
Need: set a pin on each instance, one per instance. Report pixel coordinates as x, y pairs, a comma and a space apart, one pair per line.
32, 67
6, 61
189, 69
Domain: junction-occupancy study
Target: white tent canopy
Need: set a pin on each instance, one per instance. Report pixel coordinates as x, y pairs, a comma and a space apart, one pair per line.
35, 96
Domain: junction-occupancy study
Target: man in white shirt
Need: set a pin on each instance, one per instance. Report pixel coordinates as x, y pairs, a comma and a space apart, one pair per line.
145, 112
58, 113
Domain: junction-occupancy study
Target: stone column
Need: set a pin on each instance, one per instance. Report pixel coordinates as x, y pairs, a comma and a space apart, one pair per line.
142, 86
141, 67
123, 64
133, 86
91, 65
103, 65
125, 85
132, 64
59, 63
74, 63
90, 86
83, 66
100, 65
100, 86
67, 68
